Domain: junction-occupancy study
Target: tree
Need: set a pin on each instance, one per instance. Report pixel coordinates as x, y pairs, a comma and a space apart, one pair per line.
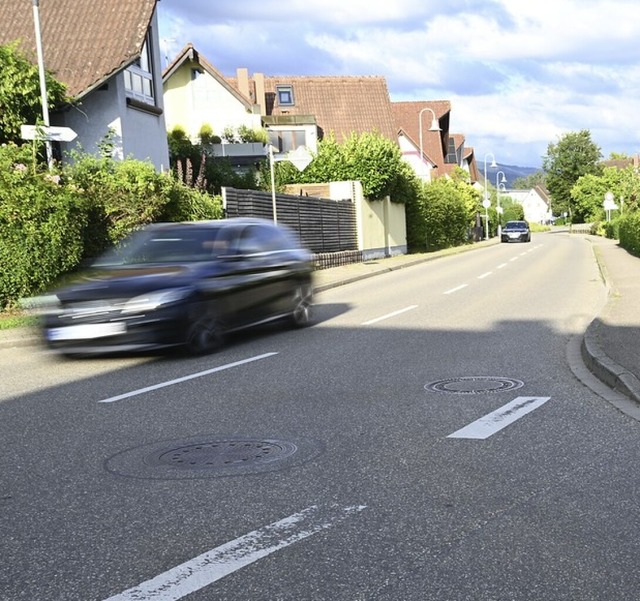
20, 97
587, 194
566, 161
530, 181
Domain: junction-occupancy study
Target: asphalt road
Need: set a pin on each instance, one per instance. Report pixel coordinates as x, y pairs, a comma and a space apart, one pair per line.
427, 439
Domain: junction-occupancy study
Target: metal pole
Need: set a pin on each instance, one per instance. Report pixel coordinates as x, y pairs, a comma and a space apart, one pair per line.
43, 81
273, 185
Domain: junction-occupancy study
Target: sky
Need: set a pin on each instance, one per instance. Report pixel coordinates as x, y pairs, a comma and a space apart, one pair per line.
519, 75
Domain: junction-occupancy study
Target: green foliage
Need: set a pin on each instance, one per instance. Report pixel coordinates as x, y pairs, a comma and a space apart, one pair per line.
206, 135
51, 221
20, 96
41, 225
214, 173
123, 195
512, 211
369, 158
566, 161
530, 181
449, 208
629, 232
588, 193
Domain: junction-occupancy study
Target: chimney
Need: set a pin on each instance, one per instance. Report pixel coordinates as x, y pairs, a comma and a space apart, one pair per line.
261, 99
243, 81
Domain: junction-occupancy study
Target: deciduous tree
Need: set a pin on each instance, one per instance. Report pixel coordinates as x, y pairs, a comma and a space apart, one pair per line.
566, 161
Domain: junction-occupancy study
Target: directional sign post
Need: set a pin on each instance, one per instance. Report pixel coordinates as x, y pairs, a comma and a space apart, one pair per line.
49, 133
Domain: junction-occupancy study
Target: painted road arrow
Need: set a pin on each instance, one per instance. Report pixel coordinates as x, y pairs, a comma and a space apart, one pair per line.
500, 418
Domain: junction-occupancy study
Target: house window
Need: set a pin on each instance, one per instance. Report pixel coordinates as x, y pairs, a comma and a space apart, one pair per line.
452, 157
138, 78
285, 95
287, 140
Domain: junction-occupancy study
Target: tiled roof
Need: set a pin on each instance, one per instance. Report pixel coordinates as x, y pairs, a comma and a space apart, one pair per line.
190, 54
341, 105
84, 41
407, 118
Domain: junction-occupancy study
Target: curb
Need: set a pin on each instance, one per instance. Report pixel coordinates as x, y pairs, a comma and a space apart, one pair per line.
597, 361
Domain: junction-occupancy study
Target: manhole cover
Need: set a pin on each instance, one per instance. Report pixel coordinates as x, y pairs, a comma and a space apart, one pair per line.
211, 457
474, 385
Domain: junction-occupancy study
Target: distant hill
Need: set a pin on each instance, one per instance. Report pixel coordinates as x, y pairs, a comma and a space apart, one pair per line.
511, 172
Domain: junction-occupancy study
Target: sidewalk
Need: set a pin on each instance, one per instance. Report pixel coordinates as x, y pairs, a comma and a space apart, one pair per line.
611, 343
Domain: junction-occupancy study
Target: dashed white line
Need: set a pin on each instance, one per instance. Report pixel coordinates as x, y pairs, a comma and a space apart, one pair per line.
485, 275
497, 420
388, 315
199, 374
502, 265
456, 289
195, 574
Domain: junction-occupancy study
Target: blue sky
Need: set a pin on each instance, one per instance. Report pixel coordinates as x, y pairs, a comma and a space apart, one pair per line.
518, 74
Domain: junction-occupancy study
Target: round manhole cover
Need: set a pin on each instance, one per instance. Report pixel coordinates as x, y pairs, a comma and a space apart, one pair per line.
474, 385
211, 457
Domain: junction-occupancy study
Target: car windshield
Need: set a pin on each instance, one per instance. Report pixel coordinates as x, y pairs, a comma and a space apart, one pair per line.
178, 245
515, 225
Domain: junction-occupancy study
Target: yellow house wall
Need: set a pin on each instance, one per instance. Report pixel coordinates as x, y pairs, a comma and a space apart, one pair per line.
191, 103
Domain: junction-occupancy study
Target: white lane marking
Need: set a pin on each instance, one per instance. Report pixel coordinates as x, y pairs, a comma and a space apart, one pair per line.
199, 374
485, 275
186, 578
502, 265
501, 418
388, 315
513, 259
456, 289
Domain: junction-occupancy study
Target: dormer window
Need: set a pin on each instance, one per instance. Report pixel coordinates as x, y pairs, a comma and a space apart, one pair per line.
285, 95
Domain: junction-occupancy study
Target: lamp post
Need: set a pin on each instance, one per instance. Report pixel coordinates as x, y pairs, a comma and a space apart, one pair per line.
486, 203
435, 126
500, 182
43, 81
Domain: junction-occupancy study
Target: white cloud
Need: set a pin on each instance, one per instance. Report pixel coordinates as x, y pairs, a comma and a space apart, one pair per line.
518, 75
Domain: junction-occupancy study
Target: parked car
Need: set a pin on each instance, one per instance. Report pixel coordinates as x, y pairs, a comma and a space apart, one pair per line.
184, 285
516, 231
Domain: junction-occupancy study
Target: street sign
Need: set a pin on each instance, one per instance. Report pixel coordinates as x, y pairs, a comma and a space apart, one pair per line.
300, 157
486, 203
51, 133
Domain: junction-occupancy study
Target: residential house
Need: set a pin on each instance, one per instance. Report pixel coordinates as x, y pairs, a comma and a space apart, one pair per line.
535, 202
196, 94
431, 152
107, 54
302, 110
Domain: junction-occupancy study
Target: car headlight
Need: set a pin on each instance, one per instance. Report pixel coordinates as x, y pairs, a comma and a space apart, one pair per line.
154, 300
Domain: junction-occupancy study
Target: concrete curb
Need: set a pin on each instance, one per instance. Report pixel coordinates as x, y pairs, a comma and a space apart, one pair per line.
597, 361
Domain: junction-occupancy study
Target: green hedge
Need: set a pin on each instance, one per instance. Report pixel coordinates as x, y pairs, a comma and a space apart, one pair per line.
629, 232
51, 221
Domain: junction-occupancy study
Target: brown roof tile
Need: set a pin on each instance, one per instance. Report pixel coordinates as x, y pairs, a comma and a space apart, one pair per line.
84, 41
434, 144
341, 105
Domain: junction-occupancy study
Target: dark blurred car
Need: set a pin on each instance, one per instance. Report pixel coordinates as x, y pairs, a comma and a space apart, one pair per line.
184, 284
516, 231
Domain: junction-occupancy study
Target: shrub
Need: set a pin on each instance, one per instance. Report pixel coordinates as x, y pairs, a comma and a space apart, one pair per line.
51, 221
629, 228
41, 226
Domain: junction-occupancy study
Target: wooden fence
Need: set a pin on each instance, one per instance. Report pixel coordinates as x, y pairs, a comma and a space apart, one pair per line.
324, 226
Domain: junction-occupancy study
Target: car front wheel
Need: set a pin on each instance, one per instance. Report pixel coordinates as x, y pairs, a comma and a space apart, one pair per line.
302, 302
204, 335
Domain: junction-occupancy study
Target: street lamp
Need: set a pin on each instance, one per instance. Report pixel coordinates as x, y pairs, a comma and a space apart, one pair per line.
435, 126
43, 81
500, 182
486, 203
